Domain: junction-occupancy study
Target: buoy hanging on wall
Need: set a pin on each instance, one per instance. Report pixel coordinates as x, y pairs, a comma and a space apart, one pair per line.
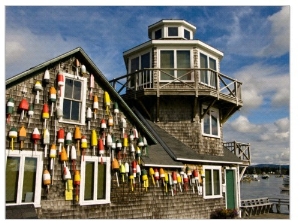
9, 109
46, 140
89, 117
23, 106
46, 179
107, 102
30, 113
12, 134
92, 85
38, 87
52, 98
46, 79
35, 137
22, 136
60, 82
45, 114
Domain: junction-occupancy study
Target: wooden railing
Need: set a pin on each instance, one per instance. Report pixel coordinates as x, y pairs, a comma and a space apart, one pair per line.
190, 79
241, 150
279, 202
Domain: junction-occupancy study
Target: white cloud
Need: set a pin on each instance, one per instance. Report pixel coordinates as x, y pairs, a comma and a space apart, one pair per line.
242, 124
280, 33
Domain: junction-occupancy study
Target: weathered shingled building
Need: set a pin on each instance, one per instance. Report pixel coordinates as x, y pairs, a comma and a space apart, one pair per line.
146, 145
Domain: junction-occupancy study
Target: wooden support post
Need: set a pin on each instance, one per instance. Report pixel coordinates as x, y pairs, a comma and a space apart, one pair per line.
157, 109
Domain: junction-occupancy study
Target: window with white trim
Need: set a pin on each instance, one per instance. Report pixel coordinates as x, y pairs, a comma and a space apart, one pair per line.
23, 177
212, 183
139, 63
211, 122
208, 77
175, 59
173, 31
73, 99
95, 181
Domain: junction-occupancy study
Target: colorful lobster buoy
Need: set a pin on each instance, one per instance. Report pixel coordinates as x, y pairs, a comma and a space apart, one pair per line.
30, 113
46, 179
52, 156
95, 106
179, 181
12, 134
60, 82
89, 117
77, 183
115, 167
9, 109
52, 98
77, 136
23, 106
162, 175
116, 111
92, 85
185, 181
46, 141
22, 136
45, 114
151, 173
94, 140
83, 146
68, 142
46, 79
101, 149
60, 139
122, 171
145, 179
38, 87
107, 102
156, 176
35, 137
73, 156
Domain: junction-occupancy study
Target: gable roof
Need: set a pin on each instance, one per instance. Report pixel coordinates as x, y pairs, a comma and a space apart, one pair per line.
80, 53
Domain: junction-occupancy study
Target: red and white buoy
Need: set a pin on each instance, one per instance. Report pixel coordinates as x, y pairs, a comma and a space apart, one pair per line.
35, 137
60, 139
23, 106
60, 82
45, 114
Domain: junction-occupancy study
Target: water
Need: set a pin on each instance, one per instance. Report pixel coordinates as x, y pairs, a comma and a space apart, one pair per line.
264, 188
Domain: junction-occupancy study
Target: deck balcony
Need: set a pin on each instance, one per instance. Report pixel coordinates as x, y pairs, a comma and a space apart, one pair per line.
241, 150
169, 81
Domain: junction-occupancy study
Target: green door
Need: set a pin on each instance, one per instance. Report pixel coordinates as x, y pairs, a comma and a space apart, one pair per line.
230, 189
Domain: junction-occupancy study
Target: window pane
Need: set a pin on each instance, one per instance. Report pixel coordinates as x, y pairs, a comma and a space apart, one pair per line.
216, 176
101, 181
173, 31
206, 124
77, 90
183, 61
29, 179
12, 179
203, 64
134, 67
89, 181
208, 183
187, 34
67, 109
68, 88
212, 65
166, 61
214, 125
145, 60
75, 112
158, 34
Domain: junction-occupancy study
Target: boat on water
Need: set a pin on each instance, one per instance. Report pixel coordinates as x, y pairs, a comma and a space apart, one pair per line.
265, 176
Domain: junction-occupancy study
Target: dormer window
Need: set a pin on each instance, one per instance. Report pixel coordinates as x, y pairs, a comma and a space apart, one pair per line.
173, 31
158, 34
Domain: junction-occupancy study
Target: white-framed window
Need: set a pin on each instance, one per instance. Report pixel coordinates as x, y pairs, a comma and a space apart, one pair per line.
208, 77
73, 99
141, 62
211, 122
158, 34
175, 59
212, 183
187, 34
23, 177
95, 181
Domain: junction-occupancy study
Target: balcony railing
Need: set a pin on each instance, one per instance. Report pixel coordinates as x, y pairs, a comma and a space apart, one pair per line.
160, 79
241, 150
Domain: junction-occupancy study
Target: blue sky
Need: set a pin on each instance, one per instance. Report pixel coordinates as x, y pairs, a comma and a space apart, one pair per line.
255, 42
